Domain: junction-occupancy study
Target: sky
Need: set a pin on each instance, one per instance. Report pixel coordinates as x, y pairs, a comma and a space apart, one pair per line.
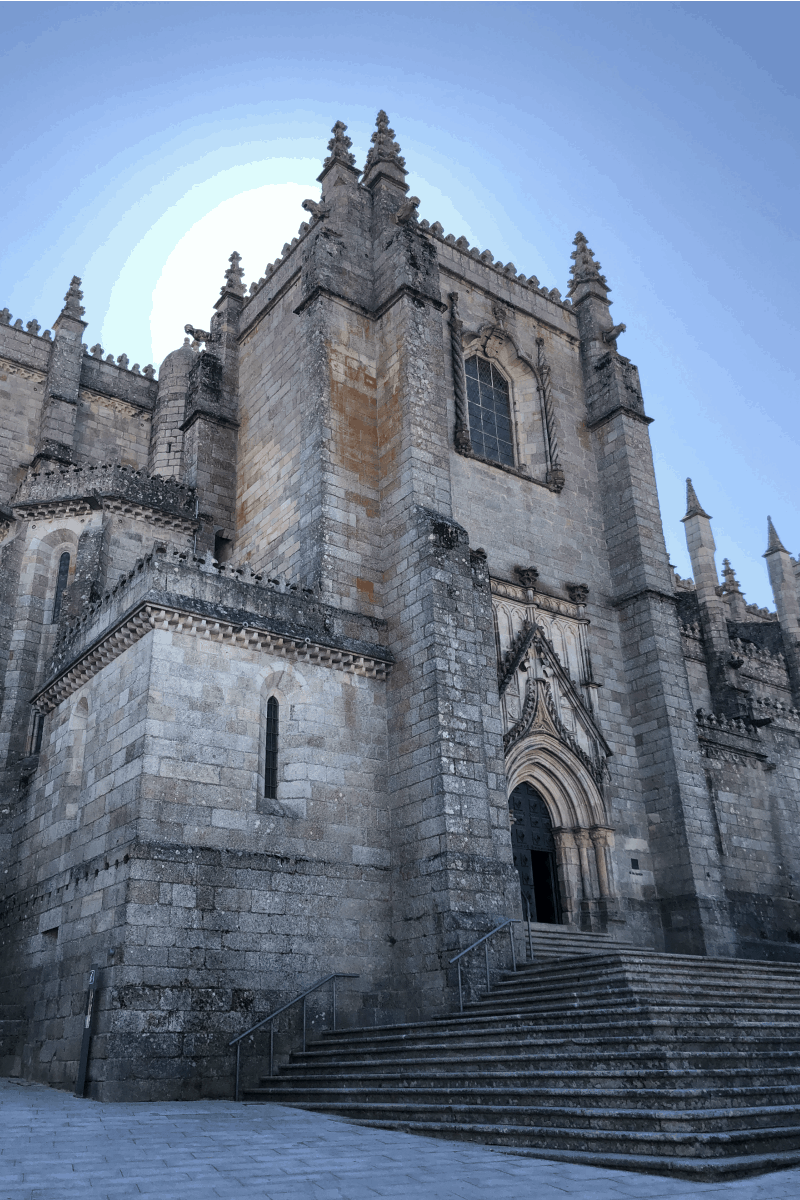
143, 142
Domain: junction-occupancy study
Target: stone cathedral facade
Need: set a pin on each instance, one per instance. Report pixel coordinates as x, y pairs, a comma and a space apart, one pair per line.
350, 633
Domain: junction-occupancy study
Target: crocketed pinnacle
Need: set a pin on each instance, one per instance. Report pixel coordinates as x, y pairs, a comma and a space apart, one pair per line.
384, 148
584, 268
234, 276
693, 506
72, 300
339, 147
731, 583
775, 542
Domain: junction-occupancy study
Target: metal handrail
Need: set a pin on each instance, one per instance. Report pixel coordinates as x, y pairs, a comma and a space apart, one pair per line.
508, 922
271, 1019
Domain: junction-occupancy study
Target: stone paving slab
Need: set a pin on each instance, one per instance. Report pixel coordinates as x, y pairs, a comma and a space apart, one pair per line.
55, 1147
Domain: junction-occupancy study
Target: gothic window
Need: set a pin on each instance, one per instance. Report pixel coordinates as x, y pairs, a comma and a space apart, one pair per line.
61, 584
489, 404
271, 755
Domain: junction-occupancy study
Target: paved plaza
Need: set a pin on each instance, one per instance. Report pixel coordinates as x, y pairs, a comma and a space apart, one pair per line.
55, 1147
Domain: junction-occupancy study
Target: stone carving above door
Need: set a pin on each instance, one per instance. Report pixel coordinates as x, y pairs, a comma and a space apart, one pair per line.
545, 681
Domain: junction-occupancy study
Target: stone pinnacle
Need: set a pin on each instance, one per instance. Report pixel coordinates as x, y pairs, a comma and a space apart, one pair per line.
339, 147
384, 148
234, 276
72, 300
693, 506
774, 542
585, 267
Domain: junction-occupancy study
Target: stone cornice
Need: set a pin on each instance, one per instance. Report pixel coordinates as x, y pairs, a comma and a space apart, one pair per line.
597, 422
650, 593
73, 491
125, 408
553, 604
376, 313
178, 618
14, 368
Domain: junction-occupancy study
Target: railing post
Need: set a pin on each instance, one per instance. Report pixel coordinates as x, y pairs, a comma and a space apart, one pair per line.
513, 951
486, 951
530, 932
271, 1045
334, 1003
304, 1024
460, 995
236, 1091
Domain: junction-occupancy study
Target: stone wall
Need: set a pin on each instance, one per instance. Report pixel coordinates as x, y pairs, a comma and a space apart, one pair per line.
318, 445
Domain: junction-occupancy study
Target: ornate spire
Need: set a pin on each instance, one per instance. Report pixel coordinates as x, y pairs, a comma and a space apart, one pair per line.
731, 583
584, 267
339, 147
233, 277
775, 542
693, 506
72, 300
384, 148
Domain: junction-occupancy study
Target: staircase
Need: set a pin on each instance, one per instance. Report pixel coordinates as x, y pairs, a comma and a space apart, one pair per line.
562, 941
671, 1064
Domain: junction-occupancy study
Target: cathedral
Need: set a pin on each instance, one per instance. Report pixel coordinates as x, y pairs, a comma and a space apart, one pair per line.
347, 635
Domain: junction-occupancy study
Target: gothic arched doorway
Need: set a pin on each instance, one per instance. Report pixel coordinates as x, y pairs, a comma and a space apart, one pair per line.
534, 855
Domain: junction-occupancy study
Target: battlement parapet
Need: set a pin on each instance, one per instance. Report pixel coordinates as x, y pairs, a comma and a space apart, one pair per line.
460, 247
167, 591
53, 489
24, 347
776, 710
118, 381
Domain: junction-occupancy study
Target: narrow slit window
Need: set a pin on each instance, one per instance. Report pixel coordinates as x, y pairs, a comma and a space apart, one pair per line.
37, 731
61, 586
489, 404
271, 755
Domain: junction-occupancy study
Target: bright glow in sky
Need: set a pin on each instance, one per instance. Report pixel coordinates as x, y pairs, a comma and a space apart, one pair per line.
254, 223
142, 143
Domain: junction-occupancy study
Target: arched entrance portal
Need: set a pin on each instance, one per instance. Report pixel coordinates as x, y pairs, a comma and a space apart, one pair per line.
534, 855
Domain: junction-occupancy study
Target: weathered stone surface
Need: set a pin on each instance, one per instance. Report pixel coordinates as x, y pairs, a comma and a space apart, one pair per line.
296, 509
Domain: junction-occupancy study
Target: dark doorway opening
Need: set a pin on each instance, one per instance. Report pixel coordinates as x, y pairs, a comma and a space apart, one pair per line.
534, 855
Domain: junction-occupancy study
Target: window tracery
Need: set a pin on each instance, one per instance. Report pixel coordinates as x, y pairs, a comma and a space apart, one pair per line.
489, 410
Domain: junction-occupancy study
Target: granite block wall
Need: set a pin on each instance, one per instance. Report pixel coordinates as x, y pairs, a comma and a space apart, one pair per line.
308, 440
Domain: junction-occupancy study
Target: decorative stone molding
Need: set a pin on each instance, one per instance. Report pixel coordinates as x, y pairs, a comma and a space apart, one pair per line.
124, 408
13, 368
115, 641
548, 691
553, 604
461, 437
555, 473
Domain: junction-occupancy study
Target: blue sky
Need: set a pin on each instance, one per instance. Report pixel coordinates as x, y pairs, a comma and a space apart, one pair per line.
142, 142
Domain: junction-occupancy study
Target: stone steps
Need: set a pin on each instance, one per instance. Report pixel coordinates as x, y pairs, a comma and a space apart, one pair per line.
631, 1084
615, 1122
689, 1155
398, 1091
623, 1038
605, 1058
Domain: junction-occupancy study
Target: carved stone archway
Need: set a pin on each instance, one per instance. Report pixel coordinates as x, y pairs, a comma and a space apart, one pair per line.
581, 830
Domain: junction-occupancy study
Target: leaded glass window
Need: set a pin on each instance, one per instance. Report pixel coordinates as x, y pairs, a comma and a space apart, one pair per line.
489, 406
